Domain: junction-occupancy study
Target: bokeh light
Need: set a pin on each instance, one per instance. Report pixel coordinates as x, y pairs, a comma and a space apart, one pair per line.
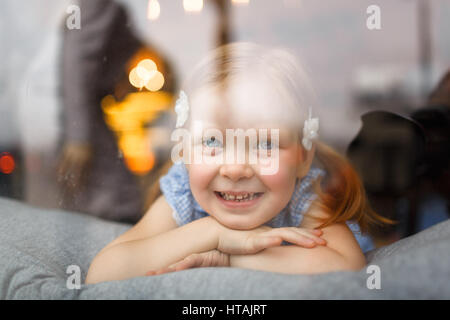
147, 64
135, 80
156, 82
193, 5
7, 163
240, 2
153, 10
145, 74
128, 119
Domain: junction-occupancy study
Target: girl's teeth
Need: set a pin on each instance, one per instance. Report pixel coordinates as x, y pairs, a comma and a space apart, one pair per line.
238, 198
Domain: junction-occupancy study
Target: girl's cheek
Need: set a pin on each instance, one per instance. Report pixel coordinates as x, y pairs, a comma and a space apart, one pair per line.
285, 176
280, 180
200, 175
292, 156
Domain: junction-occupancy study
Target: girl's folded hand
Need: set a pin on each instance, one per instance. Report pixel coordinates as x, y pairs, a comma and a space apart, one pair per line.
252, 241
245, 242
213, 258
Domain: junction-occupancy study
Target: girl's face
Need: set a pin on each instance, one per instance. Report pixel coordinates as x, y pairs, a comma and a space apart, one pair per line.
239, 194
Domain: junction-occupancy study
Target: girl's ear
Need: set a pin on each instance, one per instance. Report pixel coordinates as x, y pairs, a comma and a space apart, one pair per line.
305, 159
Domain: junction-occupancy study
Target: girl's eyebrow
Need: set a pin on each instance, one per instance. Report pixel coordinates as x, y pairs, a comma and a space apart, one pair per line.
269, 131
282, 133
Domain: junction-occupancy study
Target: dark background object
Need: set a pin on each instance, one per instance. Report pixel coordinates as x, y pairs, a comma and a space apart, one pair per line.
435, 121
388, 153
11, 173
402, 161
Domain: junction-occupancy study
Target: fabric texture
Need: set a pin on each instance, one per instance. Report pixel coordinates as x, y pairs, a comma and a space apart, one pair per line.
38, 245
176, 189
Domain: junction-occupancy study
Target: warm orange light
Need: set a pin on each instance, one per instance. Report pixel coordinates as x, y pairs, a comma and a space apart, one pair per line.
145, 74
147, 64
156, 82
141, 165
128, 119
135, 80
7, 163
137, 152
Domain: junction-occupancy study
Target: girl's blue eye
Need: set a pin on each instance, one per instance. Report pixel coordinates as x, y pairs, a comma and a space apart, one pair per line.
266, 145
212, 142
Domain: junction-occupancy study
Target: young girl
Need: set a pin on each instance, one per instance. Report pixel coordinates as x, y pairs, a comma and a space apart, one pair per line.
284, 203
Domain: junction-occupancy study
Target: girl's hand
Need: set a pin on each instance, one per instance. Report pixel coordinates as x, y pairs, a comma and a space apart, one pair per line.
252, 241
213, 258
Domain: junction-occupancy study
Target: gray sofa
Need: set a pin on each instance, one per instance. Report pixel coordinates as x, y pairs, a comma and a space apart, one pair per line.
38, 245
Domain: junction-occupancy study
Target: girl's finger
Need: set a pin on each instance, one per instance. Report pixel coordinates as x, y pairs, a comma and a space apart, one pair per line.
313, 234
315, 238
300, 239
264, 242
159, 271
256, 243
192, 261
297, 238
165, 270
182, 265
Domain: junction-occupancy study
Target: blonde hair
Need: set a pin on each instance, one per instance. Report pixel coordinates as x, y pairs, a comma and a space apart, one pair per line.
341, 194
225, 64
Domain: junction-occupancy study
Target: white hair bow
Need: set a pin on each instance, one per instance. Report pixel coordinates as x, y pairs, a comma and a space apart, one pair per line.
182, 109
310, 129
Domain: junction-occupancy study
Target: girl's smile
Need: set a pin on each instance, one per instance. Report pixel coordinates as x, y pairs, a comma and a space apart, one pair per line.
236, 200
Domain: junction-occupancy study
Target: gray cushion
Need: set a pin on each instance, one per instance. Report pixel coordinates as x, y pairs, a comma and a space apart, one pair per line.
37, 246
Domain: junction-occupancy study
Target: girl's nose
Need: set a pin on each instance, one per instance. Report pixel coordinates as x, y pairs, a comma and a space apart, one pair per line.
235, 172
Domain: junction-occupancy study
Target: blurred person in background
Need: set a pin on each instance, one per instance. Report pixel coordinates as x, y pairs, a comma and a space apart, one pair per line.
96, 62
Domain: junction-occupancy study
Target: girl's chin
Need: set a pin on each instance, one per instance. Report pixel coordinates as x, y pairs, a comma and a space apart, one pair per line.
238, 222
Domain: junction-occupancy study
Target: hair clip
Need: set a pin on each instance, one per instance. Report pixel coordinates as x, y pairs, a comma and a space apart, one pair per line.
310, 129
182, 109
